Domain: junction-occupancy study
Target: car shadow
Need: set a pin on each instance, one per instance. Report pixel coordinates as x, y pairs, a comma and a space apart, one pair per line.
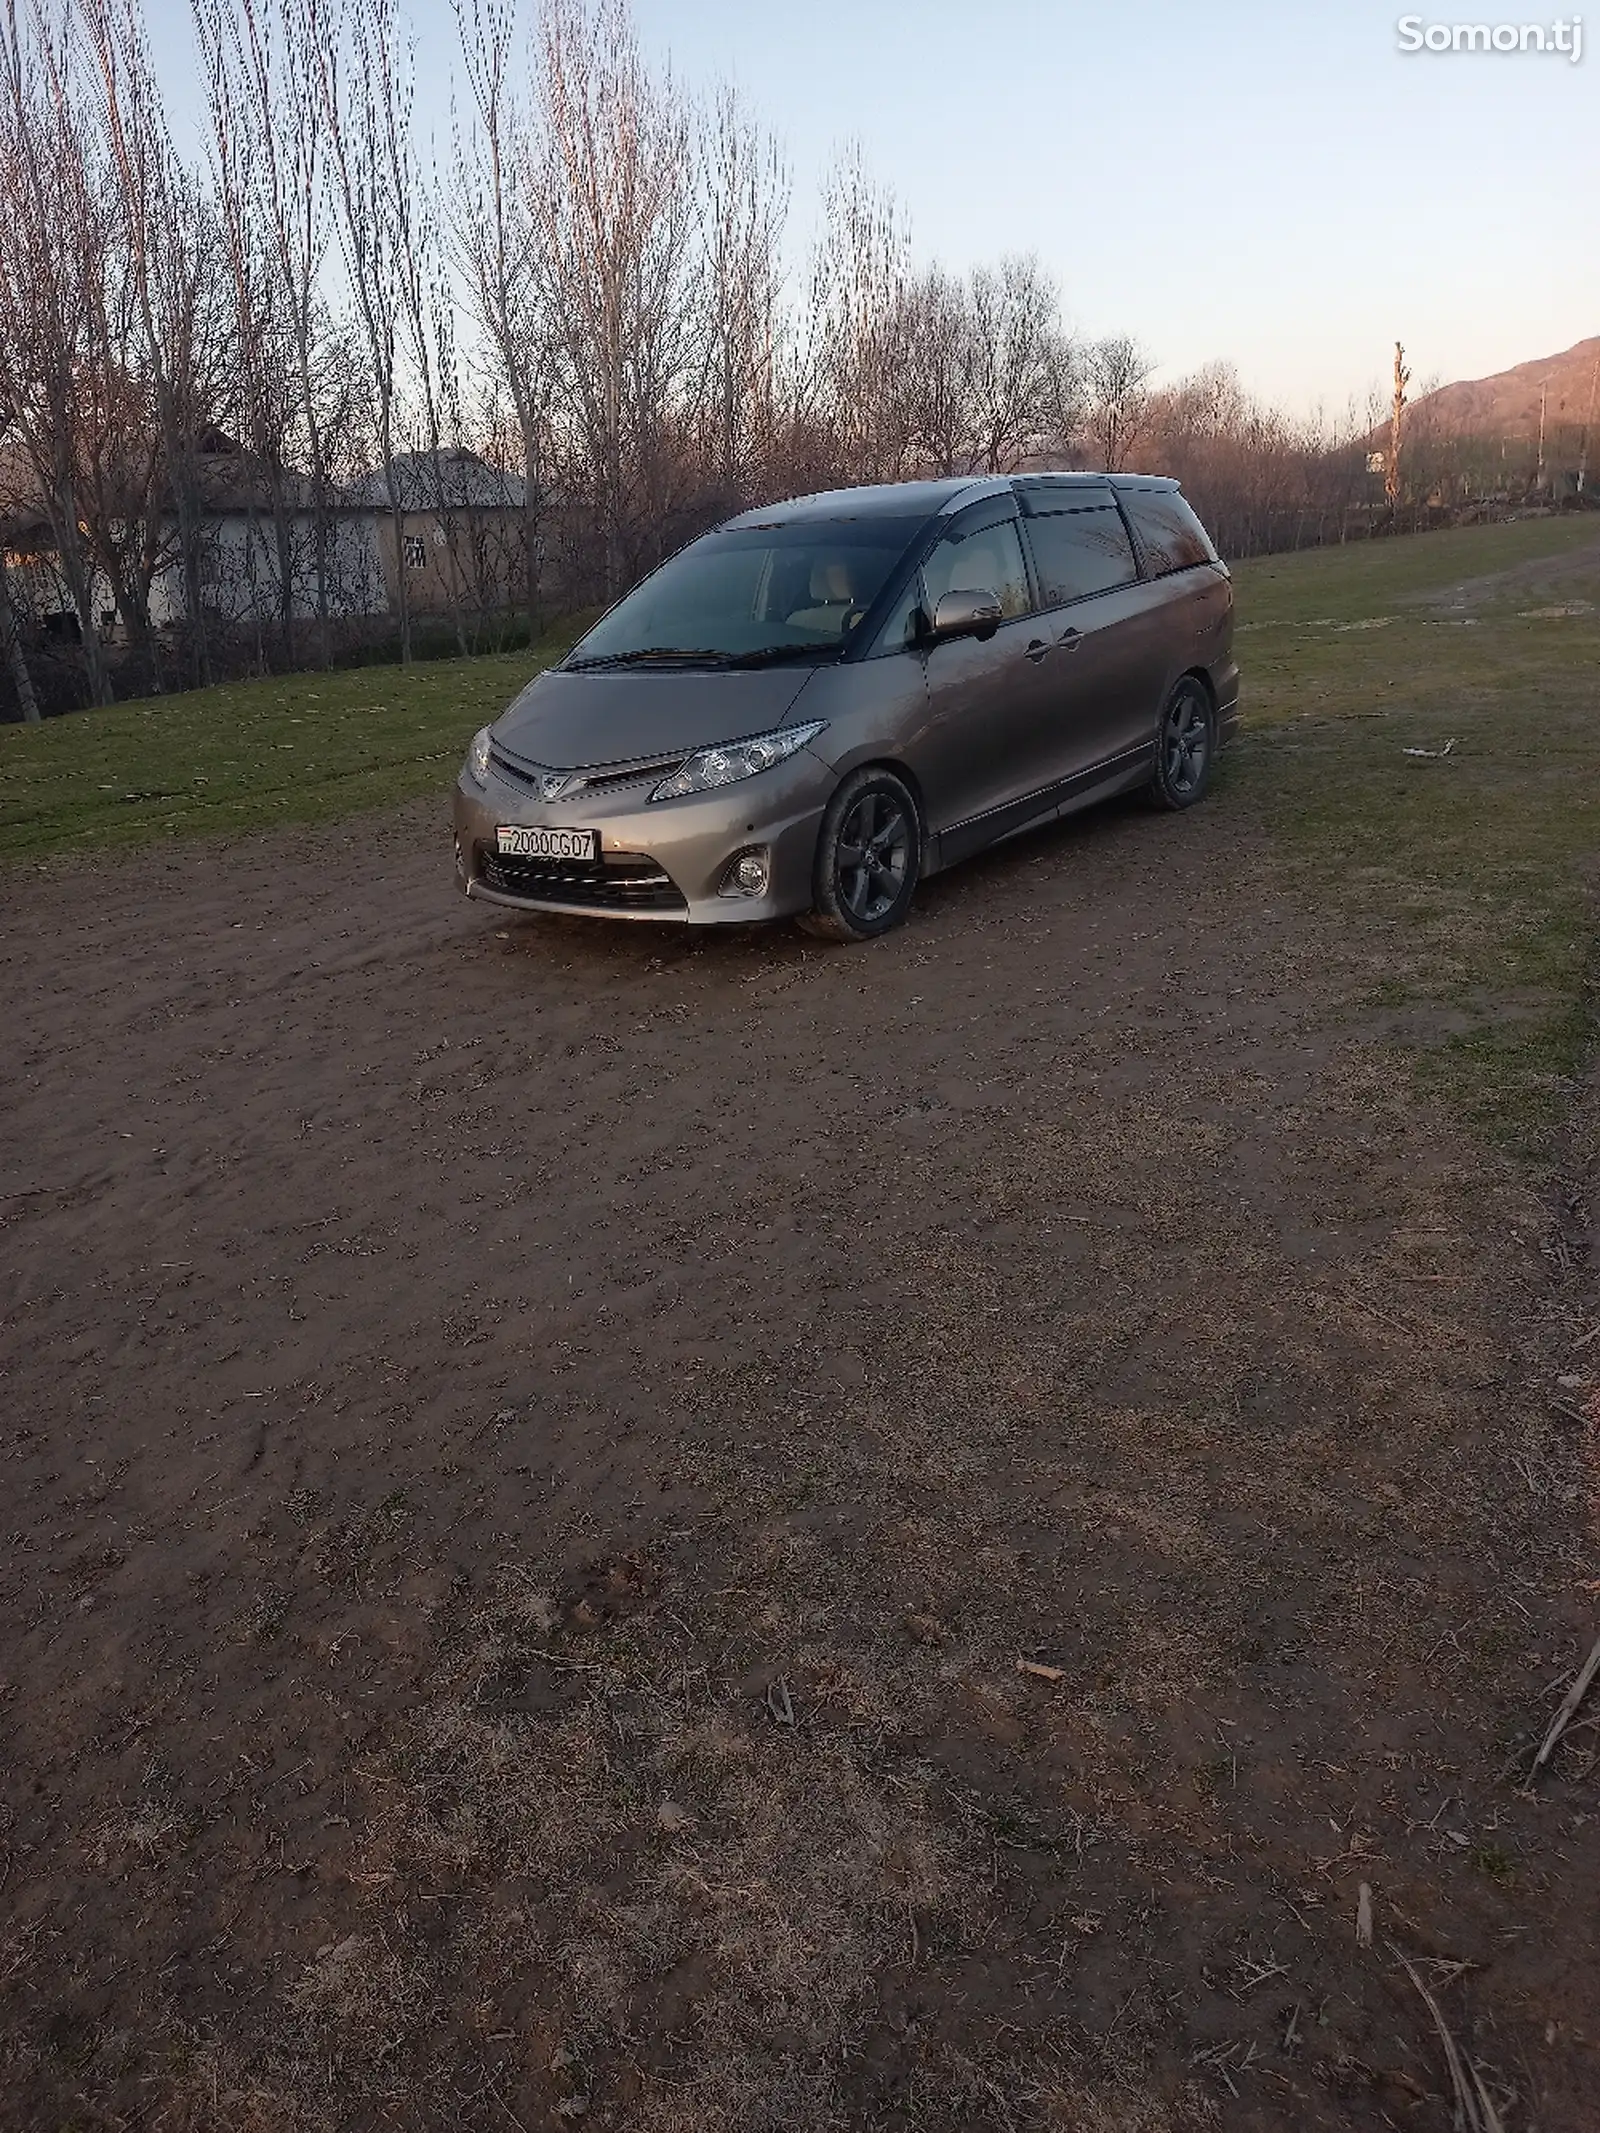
739, 952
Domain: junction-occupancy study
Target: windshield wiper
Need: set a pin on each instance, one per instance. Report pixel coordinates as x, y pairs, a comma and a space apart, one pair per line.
772, 655
648, 654
764, 655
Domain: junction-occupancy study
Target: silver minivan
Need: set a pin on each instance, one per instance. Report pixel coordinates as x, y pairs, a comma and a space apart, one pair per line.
808, 710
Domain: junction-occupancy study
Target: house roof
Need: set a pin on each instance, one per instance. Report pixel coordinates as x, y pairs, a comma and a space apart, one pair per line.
238, 482
234, 481
440, 481
25, 534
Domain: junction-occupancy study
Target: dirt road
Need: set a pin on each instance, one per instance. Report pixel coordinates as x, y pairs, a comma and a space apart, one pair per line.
718, 1534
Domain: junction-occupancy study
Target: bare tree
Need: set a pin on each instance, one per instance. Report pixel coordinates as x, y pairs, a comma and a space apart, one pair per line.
1260, 478
1391, 479
495, 253
1117, 370
271, 105
583, 337
745, 200
989, 375
16, 657
852, 380
435, 479
1016, 361
352, 55
1063, 396
51, 214
173, 271
261, 399
614, 221
934, 329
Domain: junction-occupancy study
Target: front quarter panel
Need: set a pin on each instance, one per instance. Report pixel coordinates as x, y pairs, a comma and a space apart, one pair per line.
876, 712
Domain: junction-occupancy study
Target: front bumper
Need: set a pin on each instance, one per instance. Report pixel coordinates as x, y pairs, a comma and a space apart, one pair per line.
663, 862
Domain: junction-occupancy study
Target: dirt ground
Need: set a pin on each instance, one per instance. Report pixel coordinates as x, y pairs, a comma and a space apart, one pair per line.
709, 1534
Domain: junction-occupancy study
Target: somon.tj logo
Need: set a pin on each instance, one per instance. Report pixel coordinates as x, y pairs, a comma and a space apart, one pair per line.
1565, 36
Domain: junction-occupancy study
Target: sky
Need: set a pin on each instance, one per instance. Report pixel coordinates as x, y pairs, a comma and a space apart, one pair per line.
1278, 186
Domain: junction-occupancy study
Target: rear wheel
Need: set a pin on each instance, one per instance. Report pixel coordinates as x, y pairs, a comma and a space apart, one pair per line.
869, 858
1185, 746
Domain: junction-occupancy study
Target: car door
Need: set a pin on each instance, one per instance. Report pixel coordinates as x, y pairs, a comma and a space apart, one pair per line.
1108, 639
980, 758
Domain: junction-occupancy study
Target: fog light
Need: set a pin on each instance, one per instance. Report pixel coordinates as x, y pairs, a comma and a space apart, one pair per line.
746, 876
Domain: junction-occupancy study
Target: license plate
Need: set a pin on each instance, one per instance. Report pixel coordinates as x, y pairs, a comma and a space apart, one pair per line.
515, 840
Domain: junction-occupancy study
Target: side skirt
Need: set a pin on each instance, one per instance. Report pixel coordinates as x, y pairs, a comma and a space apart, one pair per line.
1120, 773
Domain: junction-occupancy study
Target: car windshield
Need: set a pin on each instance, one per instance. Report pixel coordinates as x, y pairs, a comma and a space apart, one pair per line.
753, 594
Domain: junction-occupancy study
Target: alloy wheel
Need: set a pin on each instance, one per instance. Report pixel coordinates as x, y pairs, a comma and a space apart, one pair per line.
872, 856
1186, 742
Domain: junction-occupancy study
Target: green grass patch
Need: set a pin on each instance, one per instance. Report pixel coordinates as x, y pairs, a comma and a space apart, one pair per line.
1374, 577
1465, 880
296, 748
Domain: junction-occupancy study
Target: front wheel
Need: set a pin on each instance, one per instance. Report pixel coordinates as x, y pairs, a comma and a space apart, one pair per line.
1184, 747
869, 858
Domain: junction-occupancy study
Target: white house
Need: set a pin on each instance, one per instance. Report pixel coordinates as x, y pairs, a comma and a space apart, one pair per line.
460, 542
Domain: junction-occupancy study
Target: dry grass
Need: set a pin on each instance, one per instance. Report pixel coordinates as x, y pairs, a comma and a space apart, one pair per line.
597, 1841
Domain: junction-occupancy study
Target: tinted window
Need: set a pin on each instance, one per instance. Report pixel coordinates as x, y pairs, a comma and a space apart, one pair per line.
1082, 550
794, 588
898, 634
1171, 535
982, 559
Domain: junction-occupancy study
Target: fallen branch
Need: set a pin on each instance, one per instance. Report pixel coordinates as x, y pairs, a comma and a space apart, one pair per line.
1568, 1710
1041, 1672
1474, 2113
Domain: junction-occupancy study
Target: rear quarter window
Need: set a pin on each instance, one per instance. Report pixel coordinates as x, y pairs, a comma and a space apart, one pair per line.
1169, 533
1080, 548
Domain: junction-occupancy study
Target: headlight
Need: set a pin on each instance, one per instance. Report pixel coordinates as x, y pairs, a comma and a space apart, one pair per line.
708, 768
478, 758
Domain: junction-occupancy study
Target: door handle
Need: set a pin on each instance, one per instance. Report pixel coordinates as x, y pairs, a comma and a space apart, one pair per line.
1070, 639
1037, 648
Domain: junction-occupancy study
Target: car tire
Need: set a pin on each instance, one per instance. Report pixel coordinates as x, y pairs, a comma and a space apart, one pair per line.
1186, 746
869, 858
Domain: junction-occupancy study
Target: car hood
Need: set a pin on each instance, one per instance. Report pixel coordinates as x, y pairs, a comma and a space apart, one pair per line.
575, 721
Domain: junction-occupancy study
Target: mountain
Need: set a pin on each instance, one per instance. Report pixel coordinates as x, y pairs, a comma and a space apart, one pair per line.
1507, 405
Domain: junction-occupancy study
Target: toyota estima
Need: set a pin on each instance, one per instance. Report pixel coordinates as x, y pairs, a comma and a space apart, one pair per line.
812, 708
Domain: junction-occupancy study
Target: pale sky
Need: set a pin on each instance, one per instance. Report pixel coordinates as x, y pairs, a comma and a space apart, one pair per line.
1277, 185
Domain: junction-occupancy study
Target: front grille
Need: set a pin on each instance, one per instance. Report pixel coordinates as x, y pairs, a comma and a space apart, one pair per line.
610, 777
650, 773
625, 883
513, 773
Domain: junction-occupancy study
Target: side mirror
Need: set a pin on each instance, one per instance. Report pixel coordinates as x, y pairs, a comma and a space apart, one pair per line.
966, 614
